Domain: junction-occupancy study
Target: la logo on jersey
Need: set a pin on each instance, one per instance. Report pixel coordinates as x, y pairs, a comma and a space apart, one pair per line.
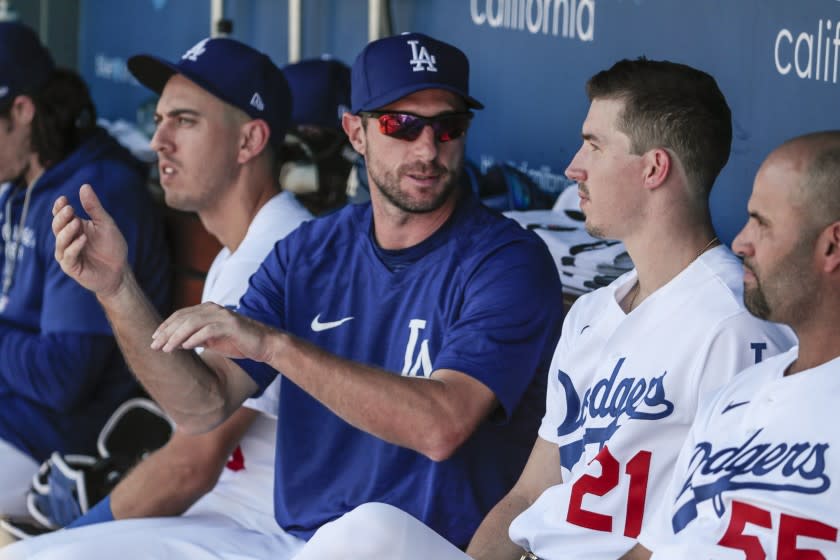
753, 465
606, 403
421, 60
418, 362
195, 51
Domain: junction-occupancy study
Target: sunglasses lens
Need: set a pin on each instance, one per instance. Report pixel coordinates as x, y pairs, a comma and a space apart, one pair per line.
405, 126
401, 126
451, 127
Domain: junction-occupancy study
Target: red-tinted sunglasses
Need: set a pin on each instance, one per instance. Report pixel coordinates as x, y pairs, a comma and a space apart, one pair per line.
408, 126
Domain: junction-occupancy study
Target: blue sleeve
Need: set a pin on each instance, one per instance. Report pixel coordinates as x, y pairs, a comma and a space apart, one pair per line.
264, 301
509, 322
56, 370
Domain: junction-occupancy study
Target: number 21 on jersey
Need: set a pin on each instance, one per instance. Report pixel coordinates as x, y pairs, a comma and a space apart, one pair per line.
636, 469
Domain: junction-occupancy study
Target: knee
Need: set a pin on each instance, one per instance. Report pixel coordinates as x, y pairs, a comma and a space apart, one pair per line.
364, 532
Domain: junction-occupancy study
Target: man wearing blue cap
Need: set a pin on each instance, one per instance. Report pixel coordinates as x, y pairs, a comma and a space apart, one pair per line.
61, 374
409, 331
239, 454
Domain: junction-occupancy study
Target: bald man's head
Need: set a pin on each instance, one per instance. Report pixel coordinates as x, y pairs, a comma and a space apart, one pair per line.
812, 164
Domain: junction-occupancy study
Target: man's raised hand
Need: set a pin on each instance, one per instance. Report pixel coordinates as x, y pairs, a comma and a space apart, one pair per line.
92, 252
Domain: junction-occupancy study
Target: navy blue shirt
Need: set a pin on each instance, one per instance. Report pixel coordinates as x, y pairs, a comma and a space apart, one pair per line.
483, 297
61, 373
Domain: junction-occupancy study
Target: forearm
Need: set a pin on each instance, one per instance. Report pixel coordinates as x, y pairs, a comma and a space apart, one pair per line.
385, 404
189, 391
159, 486
172, 479
491, 541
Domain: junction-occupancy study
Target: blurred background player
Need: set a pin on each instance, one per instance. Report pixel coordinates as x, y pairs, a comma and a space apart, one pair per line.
173, 479
61, 373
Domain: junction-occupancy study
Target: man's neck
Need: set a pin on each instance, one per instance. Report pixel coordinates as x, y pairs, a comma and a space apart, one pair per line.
659, 256
396, 229
33, 170
819, 339
229, 219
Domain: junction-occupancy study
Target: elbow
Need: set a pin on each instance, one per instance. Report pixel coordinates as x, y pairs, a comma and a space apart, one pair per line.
443, 440
195, 423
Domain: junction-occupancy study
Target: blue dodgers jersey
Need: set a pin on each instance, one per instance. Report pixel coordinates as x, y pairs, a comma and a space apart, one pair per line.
485, 299
43, 301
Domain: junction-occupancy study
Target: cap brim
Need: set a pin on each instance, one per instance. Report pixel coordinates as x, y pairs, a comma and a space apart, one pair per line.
399, 93
152, 71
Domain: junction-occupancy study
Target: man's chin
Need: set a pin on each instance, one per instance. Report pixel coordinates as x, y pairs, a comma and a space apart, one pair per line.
176, 202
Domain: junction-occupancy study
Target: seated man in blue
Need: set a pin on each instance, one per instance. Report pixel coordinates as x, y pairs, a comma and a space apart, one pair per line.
409, 331
61, 373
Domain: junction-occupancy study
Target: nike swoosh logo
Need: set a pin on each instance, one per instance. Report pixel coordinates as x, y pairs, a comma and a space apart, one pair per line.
732, 405
318, 326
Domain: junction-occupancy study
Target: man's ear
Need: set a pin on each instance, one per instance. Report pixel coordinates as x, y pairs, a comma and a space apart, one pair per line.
828, 248
22, 111
657, 167
253, 138
355, 130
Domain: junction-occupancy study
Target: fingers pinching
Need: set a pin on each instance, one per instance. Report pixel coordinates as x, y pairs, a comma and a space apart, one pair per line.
61, 217
59, 203
92, 205
73, 250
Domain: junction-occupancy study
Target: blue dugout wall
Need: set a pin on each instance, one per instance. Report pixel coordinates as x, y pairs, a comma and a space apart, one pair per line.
777, 61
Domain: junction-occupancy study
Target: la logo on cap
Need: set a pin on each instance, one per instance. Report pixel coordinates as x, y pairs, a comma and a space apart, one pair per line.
197, 50
257, 102
421, 60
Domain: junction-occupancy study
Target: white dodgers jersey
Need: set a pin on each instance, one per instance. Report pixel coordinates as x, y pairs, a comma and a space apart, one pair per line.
757, 476
622, 393
244, 489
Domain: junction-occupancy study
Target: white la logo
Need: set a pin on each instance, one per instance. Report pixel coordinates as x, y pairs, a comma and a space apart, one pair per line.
421, 366
196, 51
421, 58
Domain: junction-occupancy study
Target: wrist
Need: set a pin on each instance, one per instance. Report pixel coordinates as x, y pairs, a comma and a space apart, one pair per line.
110, 296
275, 345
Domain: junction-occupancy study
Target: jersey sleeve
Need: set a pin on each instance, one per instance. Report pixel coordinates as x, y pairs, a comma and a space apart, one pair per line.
269, 402
739, 342
509, 322
557, 393
264, 301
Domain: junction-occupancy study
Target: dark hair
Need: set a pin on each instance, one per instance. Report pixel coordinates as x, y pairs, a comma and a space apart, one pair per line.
64, 116
673, 106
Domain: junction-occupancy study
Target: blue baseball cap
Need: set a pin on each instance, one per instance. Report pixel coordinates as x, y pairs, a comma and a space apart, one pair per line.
232, 71
389, 69
25, 64
320, 91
